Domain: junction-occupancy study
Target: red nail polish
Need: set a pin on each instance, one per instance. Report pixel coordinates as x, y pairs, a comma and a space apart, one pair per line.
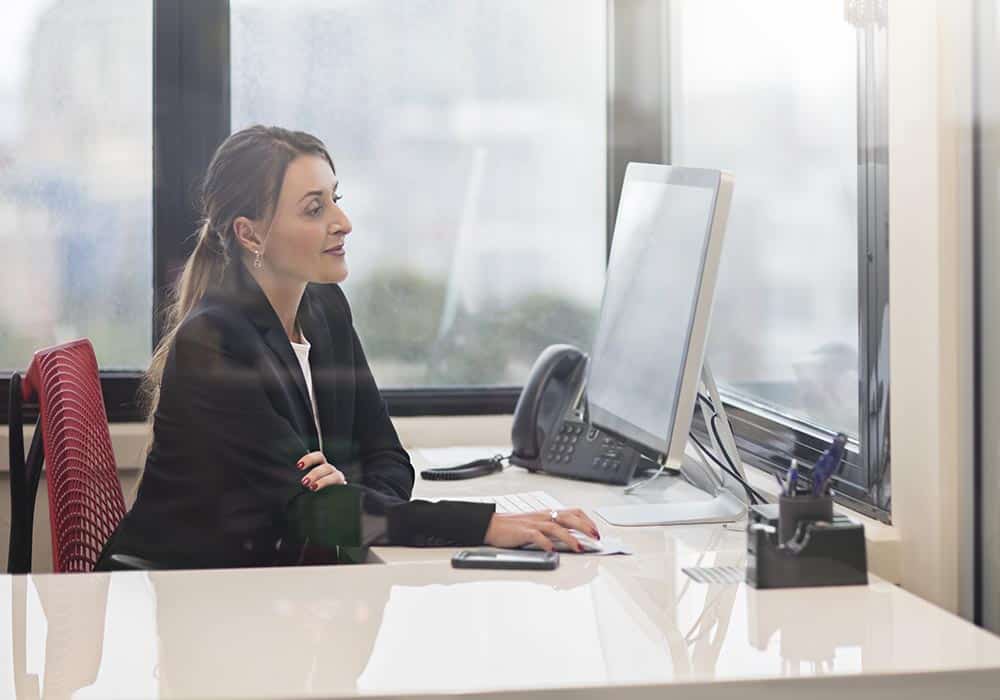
314, 487
300, 464
305, 481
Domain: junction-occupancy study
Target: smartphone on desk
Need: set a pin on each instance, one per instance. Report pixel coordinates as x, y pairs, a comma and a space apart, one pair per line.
505, 559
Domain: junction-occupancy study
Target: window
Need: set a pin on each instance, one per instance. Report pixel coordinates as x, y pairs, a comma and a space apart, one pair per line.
769, 91
76, 179
791, 99
470, 141
481, 147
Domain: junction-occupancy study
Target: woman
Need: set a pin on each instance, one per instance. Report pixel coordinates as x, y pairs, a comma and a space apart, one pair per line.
260, 393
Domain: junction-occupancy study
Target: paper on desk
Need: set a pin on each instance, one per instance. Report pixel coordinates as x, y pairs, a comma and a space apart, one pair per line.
611, 545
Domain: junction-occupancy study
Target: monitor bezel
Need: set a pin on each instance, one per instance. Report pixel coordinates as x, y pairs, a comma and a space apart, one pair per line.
669, 448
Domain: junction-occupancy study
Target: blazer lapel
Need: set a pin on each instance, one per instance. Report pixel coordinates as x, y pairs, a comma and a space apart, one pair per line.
245, 291
332, 370
278, 342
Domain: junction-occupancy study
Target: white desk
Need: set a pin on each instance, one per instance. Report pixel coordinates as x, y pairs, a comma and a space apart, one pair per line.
621, 627
582, 494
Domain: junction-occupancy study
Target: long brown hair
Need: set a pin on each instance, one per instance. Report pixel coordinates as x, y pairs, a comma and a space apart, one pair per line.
244, 178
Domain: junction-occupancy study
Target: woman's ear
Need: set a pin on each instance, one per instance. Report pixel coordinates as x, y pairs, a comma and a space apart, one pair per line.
248, 234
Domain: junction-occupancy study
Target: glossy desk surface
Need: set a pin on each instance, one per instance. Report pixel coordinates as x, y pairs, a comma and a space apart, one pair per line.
618, 626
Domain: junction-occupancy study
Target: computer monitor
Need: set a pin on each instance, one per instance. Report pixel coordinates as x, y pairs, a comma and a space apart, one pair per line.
647, 358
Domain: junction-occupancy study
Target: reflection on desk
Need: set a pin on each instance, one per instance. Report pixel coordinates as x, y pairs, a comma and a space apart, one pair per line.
425, 628
623, 627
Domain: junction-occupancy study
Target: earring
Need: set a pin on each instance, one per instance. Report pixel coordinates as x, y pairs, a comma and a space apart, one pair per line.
258, 261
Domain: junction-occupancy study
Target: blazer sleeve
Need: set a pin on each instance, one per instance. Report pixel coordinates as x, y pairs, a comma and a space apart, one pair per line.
386, 465
388, 473
253, 450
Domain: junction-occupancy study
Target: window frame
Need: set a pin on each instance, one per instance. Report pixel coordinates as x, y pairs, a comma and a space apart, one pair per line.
985, 150
191, 116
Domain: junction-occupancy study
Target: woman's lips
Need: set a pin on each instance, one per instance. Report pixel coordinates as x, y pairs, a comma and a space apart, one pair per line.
336, 250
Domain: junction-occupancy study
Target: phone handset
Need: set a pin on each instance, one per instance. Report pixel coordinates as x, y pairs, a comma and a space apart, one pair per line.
556, 379
552, 432
554, 384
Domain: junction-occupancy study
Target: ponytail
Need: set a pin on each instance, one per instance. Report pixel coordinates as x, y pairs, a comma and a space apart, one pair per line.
206, 263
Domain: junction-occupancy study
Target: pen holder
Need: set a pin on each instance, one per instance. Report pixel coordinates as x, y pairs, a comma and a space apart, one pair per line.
820, 552
794, 509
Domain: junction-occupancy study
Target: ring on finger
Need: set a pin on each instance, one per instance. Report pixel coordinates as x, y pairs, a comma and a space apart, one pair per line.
553, 515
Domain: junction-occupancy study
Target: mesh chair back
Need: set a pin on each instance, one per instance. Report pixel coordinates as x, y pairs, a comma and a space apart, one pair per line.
85, 496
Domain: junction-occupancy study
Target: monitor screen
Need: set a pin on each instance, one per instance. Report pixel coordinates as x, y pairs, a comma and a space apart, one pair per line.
644, 340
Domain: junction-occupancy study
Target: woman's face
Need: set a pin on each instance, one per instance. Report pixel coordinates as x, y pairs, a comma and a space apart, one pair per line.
306, 238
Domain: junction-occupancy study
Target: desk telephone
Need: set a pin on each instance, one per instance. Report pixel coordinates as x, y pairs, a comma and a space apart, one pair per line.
550, 433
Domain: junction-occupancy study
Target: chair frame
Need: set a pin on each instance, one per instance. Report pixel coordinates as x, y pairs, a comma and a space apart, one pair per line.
25, 474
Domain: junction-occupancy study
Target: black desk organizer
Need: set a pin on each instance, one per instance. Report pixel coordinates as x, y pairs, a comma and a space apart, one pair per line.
802, 543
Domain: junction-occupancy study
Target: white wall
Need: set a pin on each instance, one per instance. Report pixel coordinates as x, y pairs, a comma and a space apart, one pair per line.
930, 296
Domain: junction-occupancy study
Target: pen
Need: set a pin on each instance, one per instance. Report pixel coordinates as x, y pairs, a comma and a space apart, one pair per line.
825, 488
793, 477
828, 464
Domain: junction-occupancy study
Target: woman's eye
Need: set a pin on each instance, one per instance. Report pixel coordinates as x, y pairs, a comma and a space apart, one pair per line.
315, 211
337, 198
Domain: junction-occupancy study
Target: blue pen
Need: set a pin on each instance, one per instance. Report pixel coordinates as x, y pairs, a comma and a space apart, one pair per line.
829, 464
793, 477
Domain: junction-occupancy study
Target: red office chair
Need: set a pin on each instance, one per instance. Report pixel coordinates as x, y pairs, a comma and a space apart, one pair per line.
85, 497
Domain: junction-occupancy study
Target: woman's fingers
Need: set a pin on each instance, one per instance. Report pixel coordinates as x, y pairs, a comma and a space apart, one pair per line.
578, 521
554, 530
536, 537
573, 518
316, 474
528, 528
323, 475
335, 477
311, 459
591, 526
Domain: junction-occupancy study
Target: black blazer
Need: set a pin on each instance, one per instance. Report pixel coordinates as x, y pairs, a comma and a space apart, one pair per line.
234, 418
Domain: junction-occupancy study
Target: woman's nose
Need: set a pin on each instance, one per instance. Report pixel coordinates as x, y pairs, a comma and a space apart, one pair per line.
342, 224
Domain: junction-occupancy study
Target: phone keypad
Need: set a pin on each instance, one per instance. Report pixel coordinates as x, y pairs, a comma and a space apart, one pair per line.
563, 445
598, 456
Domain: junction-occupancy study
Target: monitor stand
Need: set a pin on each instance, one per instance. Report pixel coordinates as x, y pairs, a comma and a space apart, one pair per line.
724, 507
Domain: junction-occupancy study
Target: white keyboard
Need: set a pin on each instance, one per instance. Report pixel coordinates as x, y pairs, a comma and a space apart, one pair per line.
527, 502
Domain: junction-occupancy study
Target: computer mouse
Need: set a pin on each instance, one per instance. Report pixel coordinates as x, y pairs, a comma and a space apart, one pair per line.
589, 543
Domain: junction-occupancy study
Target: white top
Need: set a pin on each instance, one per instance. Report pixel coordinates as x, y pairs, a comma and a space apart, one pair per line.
302, 354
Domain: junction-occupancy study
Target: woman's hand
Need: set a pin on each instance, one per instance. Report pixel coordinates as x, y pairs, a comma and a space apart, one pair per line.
508, 530
321, 474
